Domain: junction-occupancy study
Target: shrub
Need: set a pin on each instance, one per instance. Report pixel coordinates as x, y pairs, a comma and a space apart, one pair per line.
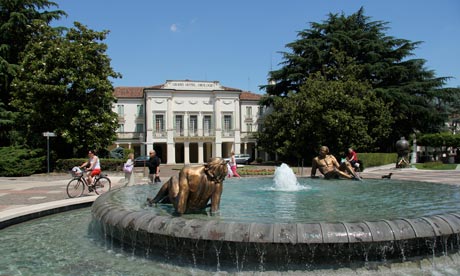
377, 159
435, 165
64, 165
19, 161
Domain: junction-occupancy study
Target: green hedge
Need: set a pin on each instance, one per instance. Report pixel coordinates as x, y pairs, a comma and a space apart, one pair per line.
18, 161
377, 159
436, 165
65, 165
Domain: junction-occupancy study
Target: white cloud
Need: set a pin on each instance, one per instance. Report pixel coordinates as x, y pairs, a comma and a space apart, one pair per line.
174, 28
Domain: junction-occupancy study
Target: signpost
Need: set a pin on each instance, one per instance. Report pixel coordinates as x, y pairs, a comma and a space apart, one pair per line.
48, 135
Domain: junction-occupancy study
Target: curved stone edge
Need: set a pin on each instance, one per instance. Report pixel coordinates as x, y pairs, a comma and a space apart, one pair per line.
150, 221
17, 215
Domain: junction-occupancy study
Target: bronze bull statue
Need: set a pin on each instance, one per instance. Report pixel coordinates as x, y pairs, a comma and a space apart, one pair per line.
194, 188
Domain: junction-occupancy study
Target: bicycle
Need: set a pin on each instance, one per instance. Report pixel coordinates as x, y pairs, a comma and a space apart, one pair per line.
76, 186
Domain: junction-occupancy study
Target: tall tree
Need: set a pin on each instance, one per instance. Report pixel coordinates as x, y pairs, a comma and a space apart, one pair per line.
339, 113
412, 92
63, 86
16, 17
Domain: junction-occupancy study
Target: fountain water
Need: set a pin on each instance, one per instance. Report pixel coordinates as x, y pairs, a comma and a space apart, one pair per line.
286, 241
65, 244
285, 179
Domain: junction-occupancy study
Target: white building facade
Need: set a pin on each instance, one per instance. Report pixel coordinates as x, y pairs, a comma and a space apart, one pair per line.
188, 121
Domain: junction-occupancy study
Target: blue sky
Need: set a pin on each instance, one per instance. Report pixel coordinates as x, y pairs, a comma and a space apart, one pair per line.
238, 42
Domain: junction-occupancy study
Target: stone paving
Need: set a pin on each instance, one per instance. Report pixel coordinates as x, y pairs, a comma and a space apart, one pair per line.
18, 192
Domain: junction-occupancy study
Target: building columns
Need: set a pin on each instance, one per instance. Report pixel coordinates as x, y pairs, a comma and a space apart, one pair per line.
200, 153
186, 153
171, 153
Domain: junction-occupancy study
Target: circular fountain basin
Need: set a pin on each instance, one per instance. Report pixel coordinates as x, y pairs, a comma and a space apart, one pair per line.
324, 220
67, 244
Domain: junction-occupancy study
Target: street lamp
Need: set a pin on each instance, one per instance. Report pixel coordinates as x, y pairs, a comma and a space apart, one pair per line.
48, 135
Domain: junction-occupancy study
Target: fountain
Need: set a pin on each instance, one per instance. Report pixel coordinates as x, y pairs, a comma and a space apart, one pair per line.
335, 227
285, 179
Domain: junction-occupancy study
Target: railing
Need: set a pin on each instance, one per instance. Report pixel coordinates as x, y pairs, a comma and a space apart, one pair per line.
207, 132
202, 133
194, 133
228, 133
248, 119
248, 135
128, 135
160, 134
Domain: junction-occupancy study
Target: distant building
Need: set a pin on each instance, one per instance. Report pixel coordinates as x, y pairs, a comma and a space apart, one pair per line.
188, 121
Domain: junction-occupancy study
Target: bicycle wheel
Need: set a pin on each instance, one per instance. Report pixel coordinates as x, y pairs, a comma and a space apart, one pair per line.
102, 185
75, 187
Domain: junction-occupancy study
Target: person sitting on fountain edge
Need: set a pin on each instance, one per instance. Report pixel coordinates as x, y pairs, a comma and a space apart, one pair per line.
352, 157
329, 167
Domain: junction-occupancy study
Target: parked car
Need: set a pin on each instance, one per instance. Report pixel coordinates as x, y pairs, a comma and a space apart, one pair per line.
241, 159
141, 161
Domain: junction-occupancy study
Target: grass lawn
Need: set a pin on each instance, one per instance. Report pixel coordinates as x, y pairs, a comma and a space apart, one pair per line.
435, 166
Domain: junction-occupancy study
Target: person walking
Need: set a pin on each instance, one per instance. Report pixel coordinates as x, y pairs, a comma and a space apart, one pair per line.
128, 168
154, 167
233, 165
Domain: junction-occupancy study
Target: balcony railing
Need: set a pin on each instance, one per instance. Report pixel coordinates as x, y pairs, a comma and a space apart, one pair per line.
194, 133
248, 135
207, 132
248, 119
160, 134
128, 135
228, 133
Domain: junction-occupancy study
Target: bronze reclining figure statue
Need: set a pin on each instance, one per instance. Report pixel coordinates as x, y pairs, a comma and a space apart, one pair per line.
194, 188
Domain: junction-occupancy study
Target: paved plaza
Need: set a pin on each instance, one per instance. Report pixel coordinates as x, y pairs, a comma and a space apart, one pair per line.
17, 192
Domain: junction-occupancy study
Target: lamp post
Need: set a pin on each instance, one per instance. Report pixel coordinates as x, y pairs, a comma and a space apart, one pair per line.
48, 135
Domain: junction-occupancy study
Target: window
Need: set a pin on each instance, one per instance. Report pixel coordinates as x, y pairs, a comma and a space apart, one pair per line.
207, 125
140, 110
179, 125
139, 127
227, 122
259, 127
261, 110
193, 125
121, 128
249, 127
249, 111
159, 123
121, 110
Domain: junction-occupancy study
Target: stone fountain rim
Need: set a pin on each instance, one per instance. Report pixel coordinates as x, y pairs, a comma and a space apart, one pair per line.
150, 221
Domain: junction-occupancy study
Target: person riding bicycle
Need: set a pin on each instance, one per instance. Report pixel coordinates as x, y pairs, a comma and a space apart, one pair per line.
93, 166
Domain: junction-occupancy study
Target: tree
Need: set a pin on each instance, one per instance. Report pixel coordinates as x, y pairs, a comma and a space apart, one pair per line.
339, 113
439, 140
412, 92
63, 86
6, 122
16, 19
